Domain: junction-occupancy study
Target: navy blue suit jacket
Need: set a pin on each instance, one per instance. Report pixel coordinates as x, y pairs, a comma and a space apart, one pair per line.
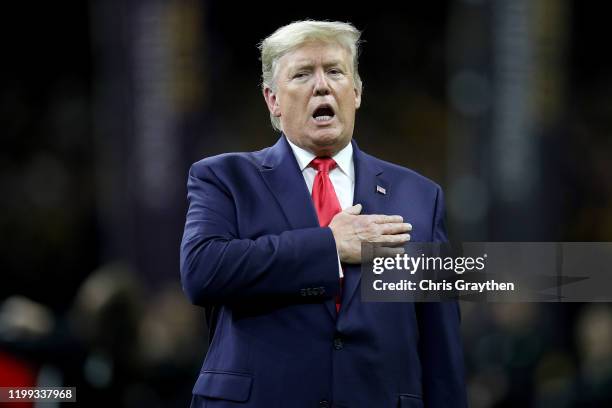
254, 256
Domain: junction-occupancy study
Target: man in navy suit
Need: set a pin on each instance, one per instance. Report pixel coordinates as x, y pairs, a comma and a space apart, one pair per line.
272, 250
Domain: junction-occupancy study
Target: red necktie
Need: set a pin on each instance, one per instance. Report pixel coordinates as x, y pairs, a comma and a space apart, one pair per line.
324, 197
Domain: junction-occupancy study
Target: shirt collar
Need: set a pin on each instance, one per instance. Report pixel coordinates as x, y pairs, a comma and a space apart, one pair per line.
344, 158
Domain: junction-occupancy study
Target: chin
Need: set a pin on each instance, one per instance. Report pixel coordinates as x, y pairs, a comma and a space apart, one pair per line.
329, 144
327, 137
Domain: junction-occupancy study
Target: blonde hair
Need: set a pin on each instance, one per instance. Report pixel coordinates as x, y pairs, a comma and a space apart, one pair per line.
292, 36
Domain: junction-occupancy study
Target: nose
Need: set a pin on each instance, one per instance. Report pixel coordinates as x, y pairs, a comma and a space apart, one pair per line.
321, 86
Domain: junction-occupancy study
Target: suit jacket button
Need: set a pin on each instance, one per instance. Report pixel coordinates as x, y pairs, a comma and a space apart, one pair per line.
324, 404
338, 343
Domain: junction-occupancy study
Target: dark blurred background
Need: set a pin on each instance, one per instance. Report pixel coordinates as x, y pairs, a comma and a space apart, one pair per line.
105, 104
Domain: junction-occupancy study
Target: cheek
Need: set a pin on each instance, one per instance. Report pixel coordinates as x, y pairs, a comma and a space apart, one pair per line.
349, 108
296, 103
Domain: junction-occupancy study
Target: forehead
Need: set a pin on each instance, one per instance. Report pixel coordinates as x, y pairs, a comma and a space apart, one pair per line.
315, 52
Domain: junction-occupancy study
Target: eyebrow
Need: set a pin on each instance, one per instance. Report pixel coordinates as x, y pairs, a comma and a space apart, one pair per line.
301, 64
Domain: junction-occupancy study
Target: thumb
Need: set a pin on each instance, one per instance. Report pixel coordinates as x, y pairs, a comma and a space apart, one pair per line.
354, 210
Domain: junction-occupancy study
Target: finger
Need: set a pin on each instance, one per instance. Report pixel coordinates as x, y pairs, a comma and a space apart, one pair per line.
394, 239
395, 228
354, 210
385, 219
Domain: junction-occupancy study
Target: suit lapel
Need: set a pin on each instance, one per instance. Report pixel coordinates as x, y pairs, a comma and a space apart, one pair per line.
282, 174
368, 176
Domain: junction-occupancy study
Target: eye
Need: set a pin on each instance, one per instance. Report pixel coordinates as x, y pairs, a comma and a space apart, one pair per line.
299, 75
335, 71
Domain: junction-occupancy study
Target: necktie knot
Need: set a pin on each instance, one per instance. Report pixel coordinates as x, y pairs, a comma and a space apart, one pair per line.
323, 164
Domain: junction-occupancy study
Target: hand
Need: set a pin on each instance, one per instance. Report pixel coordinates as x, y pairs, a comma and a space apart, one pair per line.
350, 229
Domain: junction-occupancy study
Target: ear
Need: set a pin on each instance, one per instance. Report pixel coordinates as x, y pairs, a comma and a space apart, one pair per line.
272, 102
357, 98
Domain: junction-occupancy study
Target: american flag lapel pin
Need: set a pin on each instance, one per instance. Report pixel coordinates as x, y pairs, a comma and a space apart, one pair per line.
381, 190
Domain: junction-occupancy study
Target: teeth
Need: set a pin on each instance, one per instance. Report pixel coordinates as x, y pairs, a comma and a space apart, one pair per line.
322, 118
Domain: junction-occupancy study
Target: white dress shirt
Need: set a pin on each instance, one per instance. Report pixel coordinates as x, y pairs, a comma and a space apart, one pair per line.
342, 176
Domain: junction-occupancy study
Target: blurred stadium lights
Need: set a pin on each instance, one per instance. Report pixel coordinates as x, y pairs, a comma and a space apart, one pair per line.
149, 89
506, 77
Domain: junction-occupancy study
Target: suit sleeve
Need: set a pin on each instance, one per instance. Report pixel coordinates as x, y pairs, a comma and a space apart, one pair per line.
218, 266
440, 345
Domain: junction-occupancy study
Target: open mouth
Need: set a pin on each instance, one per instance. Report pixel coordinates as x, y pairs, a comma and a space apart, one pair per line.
323, 113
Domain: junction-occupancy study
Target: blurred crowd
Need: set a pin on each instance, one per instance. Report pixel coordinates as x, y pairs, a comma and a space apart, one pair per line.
118, 345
